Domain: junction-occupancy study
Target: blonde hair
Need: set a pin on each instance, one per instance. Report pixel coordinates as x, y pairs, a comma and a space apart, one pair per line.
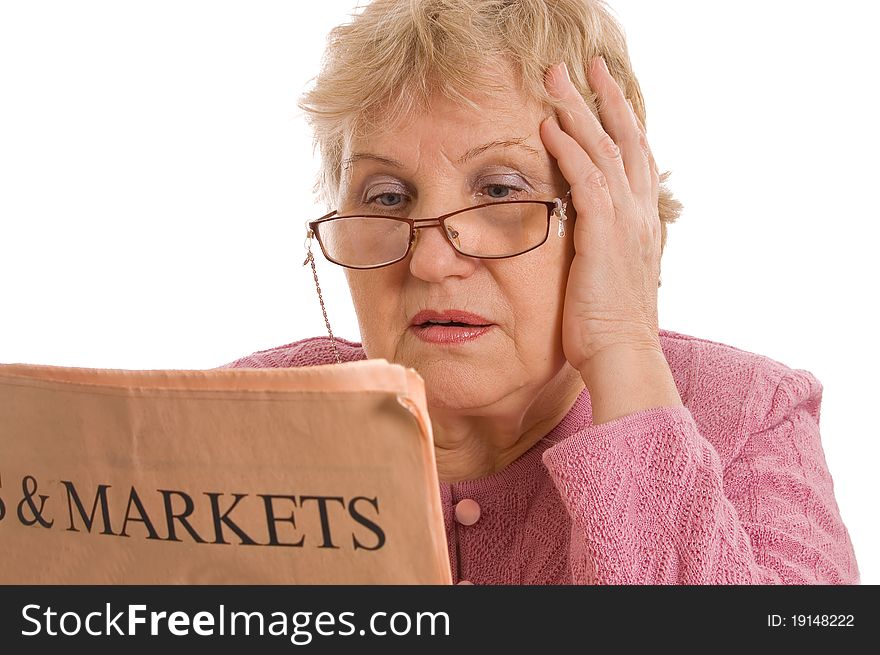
384, 66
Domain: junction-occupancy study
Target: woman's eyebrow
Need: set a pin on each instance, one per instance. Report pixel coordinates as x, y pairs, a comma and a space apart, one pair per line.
358, 156
504, 143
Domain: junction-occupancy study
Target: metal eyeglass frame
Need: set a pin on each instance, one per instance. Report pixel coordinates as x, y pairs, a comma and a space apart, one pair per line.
556, 205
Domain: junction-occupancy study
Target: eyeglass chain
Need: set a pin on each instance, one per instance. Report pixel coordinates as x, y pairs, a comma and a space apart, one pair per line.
310, 259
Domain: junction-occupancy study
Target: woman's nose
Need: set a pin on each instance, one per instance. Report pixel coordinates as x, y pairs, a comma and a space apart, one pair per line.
433, 258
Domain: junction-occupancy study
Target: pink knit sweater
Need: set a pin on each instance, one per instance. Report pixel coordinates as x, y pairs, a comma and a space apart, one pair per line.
731, 488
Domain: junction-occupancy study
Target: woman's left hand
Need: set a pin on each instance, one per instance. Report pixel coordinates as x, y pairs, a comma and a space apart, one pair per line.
611, 296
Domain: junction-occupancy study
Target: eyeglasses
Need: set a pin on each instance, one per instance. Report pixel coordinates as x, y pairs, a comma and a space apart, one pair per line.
495, 230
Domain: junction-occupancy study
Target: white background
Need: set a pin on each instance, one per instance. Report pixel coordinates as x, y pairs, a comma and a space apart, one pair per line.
155, 175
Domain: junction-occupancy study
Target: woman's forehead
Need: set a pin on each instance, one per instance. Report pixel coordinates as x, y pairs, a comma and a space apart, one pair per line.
507, 120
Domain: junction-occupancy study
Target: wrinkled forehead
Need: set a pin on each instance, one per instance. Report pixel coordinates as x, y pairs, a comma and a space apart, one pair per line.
505, 114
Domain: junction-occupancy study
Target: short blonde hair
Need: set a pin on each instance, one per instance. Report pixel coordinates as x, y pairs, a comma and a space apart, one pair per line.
384, 66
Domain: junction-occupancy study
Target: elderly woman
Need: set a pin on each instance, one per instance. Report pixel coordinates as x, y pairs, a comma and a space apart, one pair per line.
501, 219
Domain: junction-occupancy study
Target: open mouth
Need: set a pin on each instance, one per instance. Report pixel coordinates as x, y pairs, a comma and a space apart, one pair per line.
448, 325
450, 333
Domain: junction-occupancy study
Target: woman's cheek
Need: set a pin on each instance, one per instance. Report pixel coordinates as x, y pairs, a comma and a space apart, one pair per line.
377, 303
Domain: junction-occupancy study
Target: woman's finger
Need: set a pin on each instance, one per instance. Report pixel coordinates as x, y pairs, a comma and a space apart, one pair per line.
655, 172
589, 188
576, 118
620, 122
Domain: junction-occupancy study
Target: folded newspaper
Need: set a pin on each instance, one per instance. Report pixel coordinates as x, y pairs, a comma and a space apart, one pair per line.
311, 475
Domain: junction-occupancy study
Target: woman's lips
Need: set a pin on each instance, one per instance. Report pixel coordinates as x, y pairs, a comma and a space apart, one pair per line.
448, 316
449, 326
449, 334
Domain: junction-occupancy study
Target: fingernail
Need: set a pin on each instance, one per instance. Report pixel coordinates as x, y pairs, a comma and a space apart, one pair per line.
604, 64
549, 122
631, 105
564, 71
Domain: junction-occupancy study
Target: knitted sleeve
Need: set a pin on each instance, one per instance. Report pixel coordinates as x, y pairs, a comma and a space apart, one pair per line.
650, 503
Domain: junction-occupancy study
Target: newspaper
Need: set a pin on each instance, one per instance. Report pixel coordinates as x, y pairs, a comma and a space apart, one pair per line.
310, 475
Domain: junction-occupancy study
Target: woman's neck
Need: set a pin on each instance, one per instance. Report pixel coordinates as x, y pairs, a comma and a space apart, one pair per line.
467, 446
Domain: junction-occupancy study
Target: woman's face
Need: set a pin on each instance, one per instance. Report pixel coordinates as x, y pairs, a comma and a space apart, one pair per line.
522, 296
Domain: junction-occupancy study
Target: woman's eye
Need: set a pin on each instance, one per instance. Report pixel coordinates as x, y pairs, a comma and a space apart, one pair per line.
498, 190
501, 191
388, 199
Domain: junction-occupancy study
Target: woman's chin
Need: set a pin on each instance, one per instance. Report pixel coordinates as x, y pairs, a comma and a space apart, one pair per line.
456, 387
454, 379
